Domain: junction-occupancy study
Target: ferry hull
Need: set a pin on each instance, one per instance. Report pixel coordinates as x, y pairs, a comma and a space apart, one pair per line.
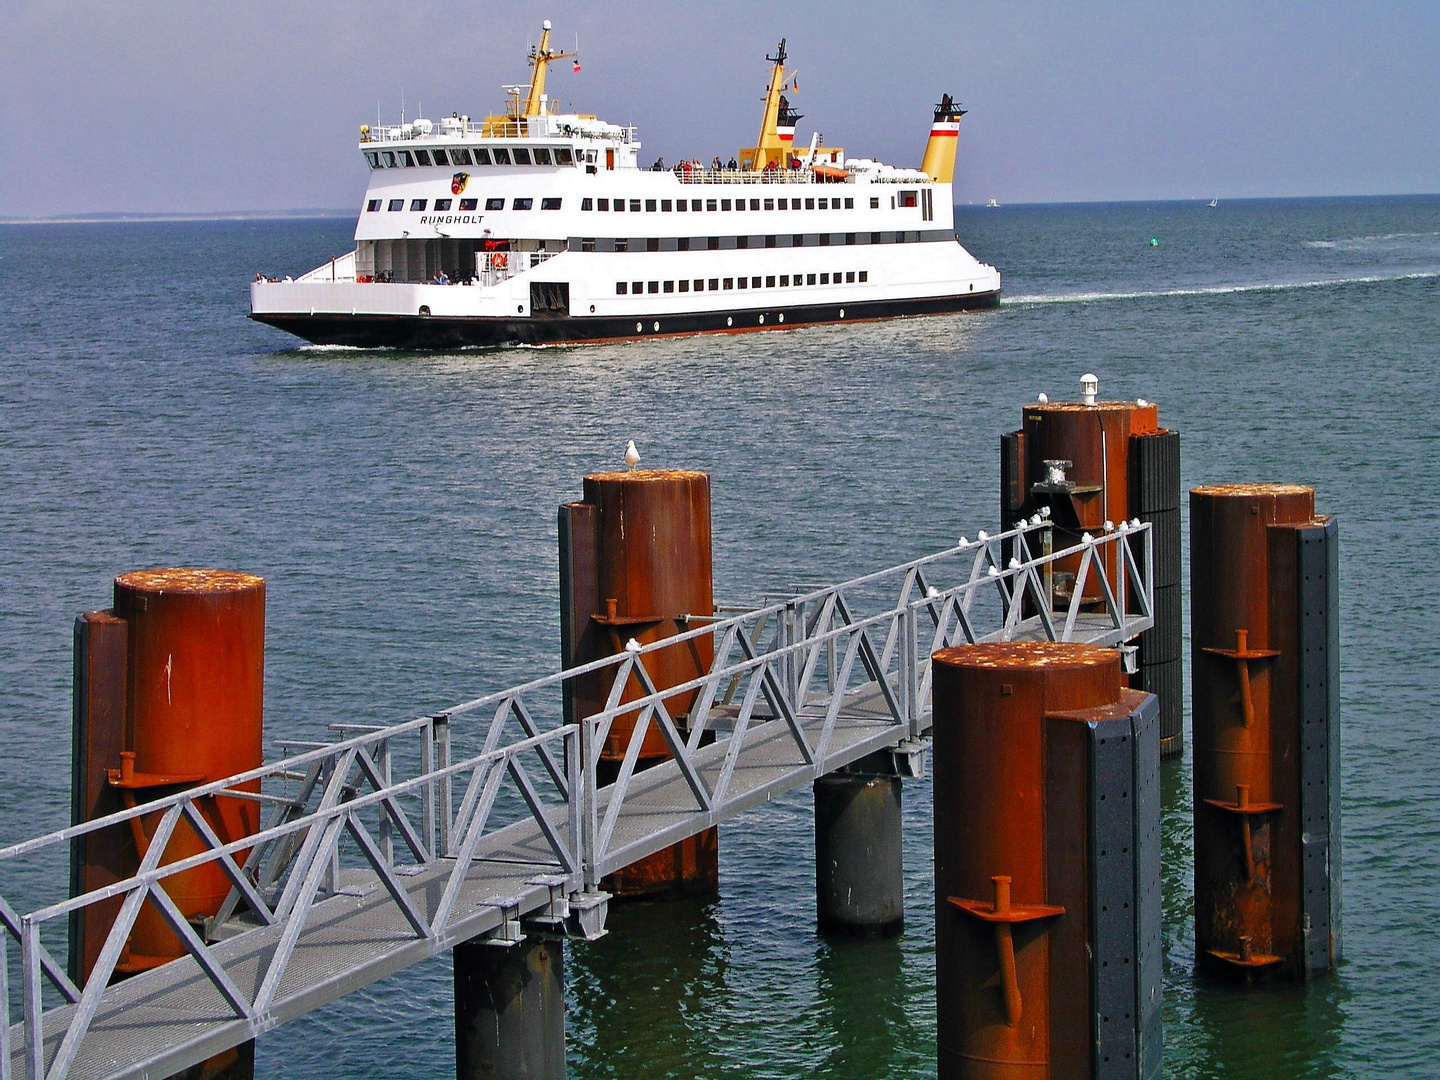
440, 332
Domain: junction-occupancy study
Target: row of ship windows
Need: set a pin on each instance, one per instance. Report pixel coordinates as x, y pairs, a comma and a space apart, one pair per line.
459, 155
681, 205
728, 243
442, 205
636, 288
664, 206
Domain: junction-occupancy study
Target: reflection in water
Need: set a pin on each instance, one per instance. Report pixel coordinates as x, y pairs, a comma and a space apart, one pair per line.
643, 997
863, 1013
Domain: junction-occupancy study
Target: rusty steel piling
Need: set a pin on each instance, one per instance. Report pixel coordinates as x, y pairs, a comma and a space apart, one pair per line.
1047, 864
168, 694
1264, 667
1090, 462
635, 563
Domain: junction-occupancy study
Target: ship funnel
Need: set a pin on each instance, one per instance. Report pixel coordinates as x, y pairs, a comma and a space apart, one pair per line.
944, 134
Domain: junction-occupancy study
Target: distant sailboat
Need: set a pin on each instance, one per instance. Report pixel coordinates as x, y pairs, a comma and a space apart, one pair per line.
993, 204
1214, 202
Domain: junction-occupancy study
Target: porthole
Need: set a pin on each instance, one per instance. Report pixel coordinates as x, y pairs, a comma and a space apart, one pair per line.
657, 326
762, 320
639, 328
842, 313
424, 310
520, 309
729, 321
592, 309
781, 316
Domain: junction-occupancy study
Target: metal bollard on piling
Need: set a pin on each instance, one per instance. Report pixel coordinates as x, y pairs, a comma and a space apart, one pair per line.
1047, 864
1089, 462
168, 694
1264, 634
859, 873
635, 563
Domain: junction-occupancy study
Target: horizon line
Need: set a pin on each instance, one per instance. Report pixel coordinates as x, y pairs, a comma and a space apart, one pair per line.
122, 217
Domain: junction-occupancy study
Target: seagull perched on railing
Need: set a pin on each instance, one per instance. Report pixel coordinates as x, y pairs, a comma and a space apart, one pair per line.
632, 455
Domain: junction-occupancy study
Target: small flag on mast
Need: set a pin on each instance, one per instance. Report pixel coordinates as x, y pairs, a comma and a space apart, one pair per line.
795, 87
577, 67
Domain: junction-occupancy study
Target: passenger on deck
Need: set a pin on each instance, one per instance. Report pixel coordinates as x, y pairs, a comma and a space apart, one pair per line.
715, 163
440, 278
733, 165
659, 165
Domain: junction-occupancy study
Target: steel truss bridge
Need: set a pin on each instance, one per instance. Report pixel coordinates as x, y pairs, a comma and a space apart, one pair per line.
392, 844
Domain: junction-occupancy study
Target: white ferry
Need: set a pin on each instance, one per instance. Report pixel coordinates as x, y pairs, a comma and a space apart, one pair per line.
541, 226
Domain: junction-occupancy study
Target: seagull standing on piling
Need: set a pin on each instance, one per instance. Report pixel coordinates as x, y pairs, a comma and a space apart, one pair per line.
632, 455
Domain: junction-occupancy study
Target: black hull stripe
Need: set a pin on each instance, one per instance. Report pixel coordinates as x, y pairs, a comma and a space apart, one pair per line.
440, 332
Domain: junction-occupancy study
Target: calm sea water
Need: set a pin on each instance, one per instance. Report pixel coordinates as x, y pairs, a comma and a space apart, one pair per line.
402, 508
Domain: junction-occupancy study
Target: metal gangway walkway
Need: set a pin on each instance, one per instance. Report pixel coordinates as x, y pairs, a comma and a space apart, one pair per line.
385, 847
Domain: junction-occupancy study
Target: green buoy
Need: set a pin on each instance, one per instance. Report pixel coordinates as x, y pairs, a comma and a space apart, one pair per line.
1154, 242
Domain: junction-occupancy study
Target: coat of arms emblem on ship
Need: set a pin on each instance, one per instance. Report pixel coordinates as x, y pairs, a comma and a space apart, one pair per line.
458, 182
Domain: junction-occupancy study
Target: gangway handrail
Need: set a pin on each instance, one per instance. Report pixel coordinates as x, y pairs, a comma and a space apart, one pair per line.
821, 657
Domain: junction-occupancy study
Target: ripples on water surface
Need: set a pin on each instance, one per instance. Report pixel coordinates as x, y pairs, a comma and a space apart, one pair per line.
402, 507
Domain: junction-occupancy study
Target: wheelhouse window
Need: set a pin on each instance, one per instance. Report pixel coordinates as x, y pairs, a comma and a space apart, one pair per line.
441, 205
494, 204
523, 204
467, 204
439, 157
542, 156
407, 159
388, 156
372, 205
501, 155
417, 204
521, 155
459, 156
396, 204
481, 155
552, 203
422, 157
564, 156
373, 158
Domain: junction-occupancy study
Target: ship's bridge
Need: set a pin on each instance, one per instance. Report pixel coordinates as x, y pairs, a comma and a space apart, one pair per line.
549, 138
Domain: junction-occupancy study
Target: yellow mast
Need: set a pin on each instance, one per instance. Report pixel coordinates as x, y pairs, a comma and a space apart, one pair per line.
539, 57
769, 137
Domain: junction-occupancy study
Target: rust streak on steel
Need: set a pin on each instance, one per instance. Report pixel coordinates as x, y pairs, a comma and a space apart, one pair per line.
1250, 907
196, 675
1118, 464
1013, 872
635, 562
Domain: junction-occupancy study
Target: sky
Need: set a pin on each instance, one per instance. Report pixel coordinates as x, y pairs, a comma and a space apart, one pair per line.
206, 106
